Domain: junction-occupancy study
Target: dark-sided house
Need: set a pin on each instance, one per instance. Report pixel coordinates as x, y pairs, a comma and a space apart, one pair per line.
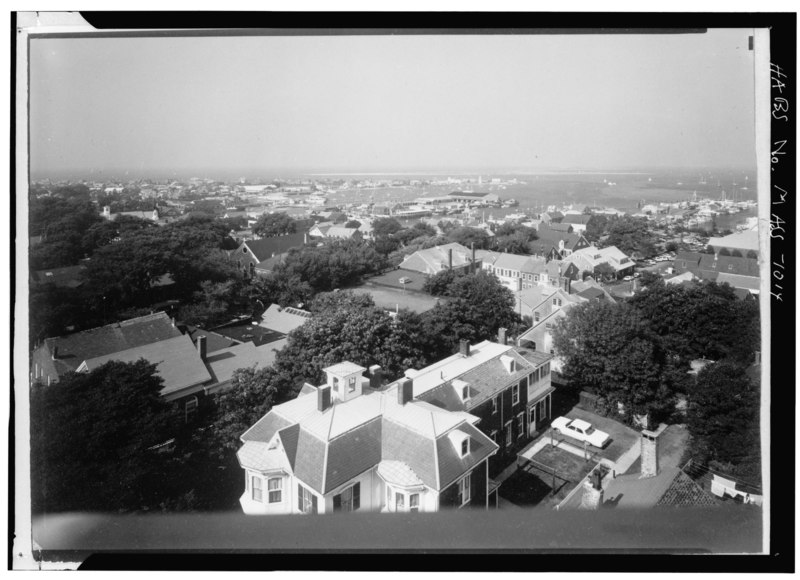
556, 245
67, 277
252, 252
740, 273
507, 388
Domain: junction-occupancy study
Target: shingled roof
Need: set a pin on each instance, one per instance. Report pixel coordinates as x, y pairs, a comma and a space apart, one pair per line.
329, 448
71, 350
267, 247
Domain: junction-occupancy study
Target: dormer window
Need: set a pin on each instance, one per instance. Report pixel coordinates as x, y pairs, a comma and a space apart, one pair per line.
336, 384
536, 317
465, 447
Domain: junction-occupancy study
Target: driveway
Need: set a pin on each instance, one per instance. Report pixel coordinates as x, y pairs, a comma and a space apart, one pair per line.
622, 437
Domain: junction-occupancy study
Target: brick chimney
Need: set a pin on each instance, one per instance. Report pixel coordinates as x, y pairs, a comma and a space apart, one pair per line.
650, 451
201, 346
592, 497
375, 376
501, 335
323, 398
405, 391
464, 348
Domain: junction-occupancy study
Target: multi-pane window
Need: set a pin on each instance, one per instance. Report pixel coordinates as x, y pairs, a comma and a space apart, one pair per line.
520, 425
349, 500
464, 489
494, 405
306, 501
190, 409
465, 447
351, 384
275, 489
515, 394
413, 502
399, 502
256, 488
536, 317
465, 393
508, 434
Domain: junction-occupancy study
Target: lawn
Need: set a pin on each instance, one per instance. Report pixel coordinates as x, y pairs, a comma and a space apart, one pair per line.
533, 485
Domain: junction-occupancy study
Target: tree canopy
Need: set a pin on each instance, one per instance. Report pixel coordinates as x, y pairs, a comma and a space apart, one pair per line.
610, 350
703, 320
467, 236
269, 225
723, 417
386, 226
90, 439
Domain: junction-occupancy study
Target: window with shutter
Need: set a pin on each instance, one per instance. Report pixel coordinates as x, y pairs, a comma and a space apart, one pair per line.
349, 500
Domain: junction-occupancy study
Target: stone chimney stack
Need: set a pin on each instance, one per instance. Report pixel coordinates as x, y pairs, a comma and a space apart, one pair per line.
201, 346
464, 348
375, 376
405, 391
650, 451
323, 398
501, 335
592, 497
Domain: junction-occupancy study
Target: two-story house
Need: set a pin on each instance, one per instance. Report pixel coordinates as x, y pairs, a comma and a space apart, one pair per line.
431, 261
354, 444
590, 258
507, 388
518, 272
545, 309
556, 245
251, 253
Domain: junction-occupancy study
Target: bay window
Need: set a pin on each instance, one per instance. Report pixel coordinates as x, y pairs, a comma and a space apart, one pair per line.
275, 489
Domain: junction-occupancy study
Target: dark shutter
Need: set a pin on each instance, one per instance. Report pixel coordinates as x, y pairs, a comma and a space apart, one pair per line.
313, 504
357, 496
300, 497
337, 502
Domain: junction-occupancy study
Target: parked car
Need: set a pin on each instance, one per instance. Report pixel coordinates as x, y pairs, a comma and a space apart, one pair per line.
628, 278
580, 430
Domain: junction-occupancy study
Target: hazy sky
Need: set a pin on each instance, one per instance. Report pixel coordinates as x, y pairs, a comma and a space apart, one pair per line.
402, 103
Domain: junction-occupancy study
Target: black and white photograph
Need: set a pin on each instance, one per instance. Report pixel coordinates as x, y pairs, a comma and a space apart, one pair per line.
400, 289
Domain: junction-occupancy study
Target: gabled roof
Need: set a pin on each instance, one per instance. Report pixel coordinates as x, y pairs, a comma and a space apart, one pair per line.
576, 219
485, 381
340, 232
75, 348
267, 247
223, 363
738, 281
747, 240
67, 277
432, 260
177, 362
283, 320
730, 265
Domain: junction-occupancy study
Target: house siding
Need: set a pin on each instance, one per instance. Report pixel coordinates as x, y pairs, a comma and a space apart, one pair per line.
448, 498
